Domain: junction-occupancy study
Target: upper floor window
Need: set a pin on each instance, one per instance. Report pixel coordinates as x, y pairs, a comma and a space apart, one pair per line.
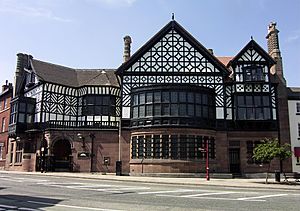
253, 107
4, 103
173, 103
22, 110
99, 105
3, 124
26, 112
298, 107
30, 79
298, 129
254, 73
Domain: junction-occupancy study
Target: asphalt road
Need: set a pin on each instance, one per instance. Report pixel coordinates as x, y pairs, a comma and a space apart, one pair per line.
38, 192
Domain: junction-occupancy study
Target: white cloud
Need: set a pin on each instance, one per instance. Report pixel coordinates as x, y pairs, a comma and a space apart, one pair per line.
16, 7
116, 2
293, 37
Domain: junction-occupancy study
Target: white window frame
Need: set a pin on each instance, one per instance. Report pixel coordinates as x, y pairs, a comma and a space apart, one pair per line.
3, 125
1, 150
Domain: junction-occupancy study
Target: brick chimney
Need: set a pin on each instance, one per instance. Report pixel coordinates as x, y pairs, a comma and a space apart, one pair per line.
127, 46
282, 97
5, 86
23, 61
274, 51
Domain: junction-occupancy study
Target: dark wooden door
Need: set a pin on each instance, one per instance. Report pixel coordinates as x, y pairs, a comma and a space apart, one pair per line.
234, 161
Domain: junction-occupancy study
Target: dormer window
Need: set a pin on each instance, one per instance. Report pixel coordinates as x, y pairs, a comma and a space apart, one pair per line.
254, 73
30, 79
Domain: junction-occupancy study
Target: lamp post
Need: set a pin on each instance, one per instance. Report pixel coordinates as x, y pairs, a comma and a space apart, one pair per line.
206, 150
207, 159
79, 135
82, 138
92, 136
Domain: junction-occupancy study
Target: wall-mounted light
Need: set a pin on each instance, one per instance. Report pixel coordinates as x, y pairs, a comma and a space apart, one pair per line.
79, 135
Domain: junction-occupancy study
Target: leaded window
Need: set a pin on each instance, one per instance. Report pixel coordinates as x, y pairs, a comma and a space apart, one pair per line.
253, 107
172, 102
99, 105
253, 73
175, 147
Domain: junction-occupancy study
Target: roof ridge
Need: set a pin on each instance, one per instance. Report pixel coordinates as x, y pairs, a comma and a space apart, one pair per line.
58, 65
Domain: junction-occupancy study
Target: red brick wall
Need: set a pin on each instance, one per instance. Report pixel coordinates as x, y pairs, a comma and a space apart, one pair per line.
4, 113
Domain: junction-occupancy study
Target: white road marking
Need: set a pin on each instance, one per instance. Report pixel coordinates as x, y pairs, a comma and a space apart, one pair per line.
261, 197
86, 186
18, 179
206, 194
168, 191
27, 209
8, 179
91, 187
212, 198
135, 188
71, 206
7, 206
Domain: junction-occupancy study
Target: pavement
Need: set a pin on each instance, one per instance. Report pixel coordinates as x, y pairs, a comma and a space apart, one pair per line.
237, 182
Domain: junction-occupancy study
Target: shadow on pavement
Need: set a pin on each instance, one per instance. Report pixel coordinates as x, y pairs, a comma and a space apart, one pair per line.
20, 202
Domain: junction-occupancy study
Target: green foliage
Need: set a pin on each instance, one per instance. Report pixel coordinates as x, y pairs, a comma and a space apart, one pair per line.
270, 149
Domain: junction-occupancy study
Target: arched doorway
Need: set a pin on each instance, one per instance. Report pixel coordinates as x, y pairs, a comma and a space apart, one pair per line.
62, 155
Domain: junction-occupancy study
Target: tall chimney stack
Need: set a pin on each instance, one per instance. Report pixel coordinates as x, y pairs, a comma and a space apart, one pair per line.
274, 51
5, 86
127, 46
23, 61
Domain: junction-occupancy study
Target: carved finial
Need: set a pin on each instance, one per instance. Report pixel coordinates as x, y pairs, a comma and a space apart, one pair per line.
173, 16
251, 37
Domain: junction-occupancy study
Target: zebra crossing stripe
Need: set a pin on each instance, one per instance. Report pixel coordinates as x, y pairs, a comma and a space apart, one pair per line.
167, 191
207, 194
261, 197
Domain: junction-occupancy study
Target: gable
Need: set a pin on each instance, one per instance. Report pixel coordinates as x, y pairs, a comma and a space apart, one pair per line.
173, 50
252, 53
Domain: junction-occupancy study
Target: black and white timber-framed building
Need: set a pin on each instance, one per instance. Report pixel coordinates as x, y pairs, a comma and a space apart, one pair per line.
172, 97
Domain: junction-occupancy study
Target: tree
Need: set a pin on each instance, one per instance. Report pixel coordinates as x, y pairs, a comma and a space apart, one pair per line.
270, 149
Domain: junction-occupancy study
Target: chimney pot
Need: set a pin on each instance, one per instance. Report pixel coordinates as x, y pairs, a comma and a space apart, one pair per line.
127, 46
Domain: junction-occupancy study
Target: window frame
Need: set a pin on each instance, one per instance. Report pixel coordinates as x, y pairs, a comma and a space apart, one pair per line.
247, 105
3, 124
297, 107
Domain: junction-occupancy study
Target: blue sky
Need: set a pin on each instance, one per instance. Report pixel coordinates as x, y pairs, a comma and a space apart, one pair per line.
89, 33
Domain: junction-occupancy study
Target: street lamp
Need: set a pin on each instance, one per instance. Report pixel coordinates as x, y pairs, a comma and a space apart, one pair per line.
206, 150
92, 136
207, 160
82, 138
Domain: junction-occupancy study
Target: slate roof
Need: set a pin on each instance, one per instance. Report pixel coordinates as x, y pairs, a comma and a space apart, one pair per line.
73, 77
293, 93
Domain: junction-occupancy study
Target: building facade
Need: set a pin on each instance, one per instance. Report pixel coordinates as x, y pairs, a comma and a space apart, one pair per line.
294, 114
5, 98
164, 110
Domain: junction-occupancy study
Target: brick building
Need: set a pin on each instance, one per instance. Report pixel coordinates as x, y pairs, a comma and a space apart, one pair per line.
175, 99
5, 98
294, 117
